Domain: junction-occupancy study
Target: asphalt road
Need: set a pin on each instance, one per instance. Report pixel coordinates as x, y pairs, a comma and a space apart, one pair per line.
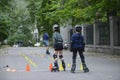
102, 67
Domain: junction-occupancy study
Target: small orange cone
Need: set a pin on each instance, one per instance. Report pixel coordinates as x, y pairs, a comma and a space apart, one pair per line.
50, 67
28, 68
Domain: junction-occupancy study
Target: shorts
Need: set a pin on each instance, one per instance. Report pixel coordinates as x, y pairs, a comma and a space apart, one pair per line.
58, 47
46, 42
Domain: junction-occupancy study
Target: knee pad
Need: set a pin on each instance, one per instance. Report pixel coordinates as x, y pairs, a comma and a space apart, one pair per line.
54, 56
60, 56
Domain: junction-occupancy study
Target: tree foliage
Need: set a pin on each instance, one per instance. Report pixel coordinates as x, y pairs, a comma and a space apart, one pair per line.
4, 19
16, 13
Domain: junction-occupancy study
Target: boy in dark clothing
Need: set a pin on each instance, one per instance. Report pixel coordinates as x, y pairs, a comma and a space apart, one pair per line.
78, 45
46, 42
58, 47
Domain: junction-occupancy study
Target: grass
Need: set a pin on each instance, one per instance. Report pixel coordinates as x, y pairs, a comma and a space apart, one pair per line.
4, 46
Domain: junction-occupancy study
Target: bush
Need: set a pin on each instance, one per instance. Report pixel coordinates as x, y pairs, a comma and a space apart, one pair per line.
19, 37
3, 33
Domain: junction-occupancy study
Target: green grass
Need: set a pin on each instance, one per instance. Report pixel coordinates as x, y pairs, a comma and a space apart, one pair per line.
4, 46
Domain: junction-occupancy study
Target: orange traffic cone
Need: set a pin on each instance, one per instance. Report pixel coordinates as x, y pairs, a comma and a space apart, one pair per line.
50, 67
28, 68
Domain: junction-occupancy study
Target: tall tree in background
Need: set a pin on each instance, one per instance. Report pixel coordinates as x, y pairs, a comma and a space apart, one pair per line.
4, 19
45, 13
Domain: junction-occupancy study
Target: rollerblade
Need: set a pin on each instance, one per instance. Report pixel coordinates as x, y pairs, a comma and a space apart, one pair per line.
73, 68
55, 69
85, 68
47, 52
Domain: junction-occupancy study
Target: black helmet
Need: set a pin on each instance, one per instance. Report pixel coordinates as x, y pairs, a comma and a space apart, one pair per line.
55, 27
78, 28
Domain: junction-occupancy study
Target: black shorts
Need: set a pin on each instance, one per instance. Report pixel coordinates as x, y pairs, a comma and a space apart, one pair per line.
58, 47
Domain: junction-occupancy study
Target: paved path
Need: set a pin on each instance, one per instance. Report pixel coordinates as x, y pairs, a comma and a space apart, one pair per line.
102, 67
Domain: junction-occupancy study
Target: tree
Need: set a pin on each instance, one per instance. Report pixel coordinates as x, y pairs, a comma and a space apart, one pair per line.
4, 20
14, 13
48, 12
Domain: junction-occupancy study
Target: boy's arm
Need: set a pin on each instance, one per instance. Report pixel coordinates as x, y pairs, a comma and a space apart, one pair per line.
83, 44
71, 44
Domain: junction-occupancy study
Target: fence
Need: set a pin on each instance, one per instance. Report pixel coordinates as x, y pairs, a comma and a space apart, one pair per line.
103, 37
104, 34
89, 34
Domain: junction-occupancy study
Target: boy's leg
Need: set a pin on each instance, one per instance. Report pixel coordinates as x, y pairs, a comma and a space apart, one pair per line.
56, 62
47, 50
85, 68
47, 47
73, 67
74, 61
60, 48
62, 60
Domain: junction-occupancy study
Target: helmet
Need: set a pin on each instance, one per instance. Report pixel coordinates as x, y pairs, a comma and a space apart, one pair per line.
78, 28
55, 27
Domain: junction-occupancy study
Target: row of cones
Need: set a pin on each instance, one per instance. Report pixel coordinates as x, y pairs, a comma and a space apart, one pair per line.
51, 66
61, 67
